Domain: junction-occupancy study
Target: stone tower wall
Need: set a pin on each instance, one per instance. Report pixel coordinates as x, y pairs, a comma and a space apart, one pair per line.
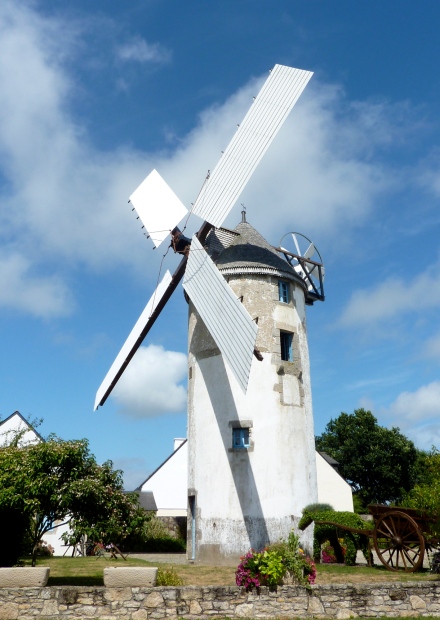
252, 497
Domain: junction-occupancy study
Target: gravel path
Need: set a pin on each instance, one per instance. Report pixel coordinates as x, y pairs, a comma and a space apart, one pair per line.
161, 558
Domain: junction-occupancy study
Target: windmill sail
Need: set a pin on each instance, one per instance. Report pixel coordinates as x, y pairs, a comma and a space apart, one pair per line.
264, 119
133, 341
158, 207
227, 320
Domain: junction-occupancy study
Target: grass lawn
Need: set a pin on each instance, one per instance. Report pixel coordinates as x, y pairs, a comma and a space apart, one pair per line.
89, 571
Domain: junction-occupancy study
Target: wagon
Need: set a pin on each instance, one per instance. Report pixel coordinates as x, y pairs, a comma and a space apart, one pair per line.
400, 536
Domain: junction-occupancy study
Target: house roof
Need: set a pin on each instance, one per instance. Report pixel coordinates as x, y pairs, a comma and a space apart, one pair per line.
147, 501
330, 460
249, 252
160, 466
23, 419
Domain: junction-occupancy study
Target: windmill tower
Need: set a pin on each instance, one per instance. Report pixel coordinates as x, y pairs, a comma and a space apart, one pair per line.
251, 456
250, 424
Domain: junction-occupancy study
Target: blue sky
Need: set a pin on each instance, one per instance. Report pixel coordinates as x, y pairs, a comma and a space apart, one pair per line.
93, 95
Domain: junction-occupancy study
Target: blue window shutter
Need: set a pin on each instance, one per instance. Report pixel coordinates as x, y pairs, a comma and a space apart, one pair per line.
283, 291
286, 342
240, 438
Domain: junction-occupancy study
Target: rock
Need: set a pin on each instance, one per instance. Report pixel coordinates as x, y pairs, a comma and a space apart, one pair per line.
24, 576
130, 576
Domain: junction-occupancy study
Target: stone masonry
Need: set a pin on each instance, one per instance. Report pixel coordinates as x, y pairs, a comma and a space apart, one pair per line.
194, 603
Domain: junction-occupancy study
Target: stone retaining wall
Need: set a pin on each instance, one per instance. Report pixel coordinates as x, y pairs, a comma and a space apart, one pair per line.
175, 526
196, 603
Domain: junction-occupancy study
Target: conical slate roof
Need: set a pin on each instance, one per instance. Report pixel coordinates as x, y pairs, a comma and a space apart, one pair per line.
249, 252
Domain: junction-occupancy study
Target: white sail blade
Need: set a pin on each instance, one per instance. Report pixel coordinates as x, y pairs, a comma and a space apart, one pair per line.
158, 207
295, 241
264, 119
227, 320
310, 251
132, 343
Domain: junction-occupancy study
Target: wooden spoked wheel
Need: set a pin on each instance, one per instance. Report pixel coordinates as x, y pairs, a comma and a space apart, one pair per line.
399, 542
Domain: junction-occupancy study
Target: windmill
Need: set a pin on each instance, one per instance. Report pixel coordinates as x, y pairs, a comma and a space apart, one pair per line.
228, 327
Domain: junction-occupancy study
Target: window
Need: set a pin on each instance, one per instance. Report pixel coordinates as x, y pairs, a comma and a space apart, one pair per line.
286, 339
240, 438
283, 291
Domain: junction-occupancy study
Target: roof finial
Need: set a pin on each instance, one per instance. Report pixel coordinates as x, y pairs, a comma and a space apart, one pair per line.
243, 214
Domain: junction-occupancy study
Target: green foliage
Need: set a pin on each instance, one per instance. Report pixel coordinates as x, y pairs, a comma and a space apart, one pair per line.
270, 565
161, 544
425, 496
153, 537
61, 481
168, 577
295, 560
358, 506
331, 533
381, 464
318, 507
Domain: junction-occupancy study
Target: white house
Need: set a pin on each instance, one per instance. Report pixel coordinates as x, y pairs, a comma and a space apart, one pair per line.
332, 488
17, 427
169, 483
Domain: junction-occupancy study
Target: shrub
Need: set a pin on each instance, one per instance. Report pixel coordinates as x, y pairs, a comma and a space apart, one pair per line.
331, 533
168, 577
44, 549
163, 544
270, 565
318, 508
154, 538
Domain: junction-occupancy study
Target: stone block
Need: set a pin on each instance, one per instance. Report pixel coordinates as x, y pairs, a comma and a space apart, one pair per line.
245, 610
195, 608
9, 611
24, 576
141, 614
155, 599
130, 576
417, 602
50, 608
118, 594
315, 606
343, 614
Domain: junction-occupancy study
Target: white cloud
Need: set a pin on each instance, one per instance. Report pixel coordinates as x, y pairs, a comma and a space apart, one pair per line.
20, 289
141, 51
393, 297
151, 383
418, 414
62, 199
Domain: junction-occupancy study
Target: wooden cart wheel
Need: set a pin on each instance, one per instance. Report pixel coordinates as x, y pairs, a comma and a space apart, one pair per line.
399, 542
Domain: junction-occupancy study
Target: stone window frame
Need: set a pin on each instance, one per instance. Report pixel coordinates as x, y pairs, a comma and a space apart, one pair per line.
286, 345
241, 425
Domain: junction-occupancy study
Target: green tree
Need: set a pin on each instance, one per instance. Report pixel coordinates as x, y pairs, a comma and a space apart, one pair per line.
380, 464
60, 480
425, 495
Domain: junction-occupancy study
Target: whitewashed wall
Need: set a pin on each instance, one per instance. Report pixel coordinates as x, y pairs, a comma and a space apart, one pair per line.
169, 483
332, 488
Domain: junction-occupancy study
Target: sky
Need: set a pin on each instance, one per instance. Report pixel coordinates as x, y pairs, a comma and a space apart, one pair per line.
94, 95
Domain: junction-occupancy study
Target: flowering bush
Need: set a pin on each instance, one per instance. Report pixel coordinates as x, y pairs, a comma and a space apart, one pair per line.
328, 554
269, 566
44, 549
247, 574
310, 570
